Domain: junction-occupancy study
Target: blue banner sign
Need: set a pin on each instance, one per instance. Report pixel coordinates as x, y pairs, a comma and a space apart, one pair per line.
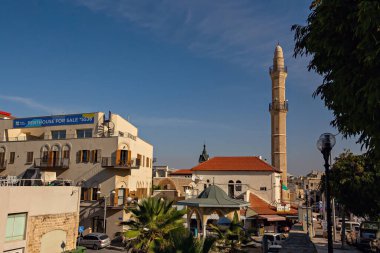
59, 120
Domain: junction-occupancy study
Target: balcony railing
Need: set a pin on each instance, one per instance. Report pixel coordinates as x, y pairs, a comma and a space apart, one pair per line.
60, 163
274, 69
279, 106
65, 137
111, 162
3, 164
14, 181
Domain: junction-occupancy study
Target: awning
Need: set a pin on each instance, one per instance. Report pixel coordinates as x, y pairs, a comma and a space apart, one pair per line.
272, 217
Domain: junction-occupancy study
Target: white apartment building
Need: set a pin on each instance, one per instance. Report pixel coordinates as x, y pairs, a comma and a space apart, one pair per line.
103, 155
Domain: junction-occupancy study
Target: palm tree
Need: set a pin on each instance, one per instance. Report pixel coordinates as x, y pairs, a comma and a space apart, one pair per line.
155, 222
230, 238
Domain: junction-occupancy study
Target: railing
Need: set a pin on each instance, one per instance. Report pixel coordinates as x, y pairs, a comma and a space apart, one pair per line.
13, 181
60, 163
275, 69
3, 164
279, 106
111, 162
65, 137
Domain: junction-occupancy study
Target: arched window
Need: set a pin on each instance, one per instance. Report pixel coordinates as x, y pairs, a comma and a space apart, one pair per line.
45, 153
2, 157
231, 189
66, 151
238, 186
54, 155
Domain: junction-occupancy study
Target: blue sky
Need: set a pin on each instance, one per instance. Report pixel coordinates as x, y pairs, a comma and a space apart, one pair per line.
184, 72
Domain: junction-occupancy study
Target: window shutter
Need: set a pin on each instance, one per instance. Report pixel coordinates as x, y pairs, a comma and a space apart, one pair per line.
98, 155
79, 156
115, 197
118, 155
50, 158
92, 156
129, 156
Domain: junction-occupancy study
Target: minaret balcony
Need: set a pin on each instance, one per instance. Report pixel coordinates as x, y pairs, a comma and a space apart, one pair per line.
278, 69
279, 106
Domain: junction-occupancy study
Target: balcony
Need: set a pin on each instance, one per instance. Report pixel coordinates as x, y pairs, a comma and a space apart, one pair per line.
279, 106
110, 162
3, 164
60, 163
278, 69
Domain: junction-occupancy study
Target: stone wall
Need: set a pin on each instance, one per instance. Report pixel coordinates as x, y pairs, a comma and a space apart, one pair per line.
173, 183
42, 224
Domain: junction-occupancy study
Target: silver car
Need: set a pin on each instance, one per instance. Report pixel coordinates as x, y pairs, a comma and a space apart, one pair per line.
95, 241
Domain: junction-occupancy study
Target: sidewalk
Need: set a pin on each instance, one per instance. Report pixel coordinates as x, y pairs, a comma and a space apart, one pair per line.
321, 245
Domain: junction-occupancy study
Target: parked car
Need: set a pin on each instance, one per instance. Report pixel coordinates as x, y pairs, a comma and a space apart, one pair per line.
274, 248
352, 231
95, 241
369, 232
273, 239
297, 228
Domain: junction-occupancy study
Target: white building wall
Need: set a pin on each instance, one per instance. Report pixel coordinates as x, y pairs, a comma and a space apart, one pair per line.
250, 180
35, 201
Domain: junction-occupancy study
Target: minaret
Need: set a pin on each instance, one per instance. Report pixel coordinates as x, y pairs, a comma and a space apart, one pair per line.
204, 156
278, 110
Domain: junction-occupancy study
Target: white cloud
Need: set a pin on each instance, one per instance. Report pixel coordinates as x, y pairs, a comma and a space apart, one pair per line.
30, 103
242, 32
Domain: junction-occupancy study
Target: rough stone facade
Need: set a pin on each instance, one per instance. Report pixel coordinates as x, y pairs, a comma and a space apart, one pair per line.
40, 225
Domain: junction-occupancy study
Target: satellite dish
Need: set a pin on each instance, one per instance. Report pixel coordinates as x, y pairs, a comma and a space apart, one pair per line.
193, 177
201, 178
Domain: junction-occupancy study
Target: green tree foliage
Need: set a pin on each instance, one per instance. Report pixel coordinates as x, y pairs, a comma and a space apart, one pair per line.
355, 184
229, 238
156, 224
343, 40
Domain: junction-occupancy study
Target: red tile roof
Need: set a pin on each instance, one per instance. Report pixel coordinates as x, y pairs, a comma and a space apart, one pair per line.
261, 207
182, 172
5, 113
234, 163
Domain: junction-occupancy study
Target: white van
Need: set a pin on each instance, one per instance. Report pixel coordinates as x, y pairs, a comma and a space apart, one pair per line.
350, 226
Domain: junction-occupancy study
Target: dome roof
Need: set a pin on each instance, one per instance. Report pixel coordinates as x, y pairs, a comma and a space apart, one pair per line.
213, 196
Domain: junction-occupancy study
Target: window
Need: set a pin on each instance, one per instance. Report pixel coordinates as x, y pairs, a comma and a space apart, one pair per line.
85, 156
59, 134
84, 133
238, 186
231, 189
66, 153
2, 156
94, 194
95, 156
89, 194
12, 157
263, 188
120, 196
138, 160
147, 162
29, 157
15, 229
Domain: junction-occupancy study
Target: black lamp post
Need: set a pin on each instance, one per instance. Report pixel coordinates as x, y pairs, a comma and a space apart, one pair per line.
325, 143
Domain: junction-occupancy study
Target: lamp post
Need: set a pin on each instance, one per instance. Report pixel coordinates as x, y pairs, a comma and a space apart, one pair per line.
307, 210
325, 143
105, 208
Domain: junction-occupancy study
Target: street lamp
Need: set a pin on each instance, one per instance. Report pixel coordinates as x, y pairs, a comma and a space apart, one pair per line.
105, 208
307, 210
325, 143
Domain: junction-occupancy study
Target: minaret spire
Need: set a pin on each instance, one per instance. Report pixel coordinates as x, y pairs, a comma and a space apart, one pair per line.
278, 109
204, 156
